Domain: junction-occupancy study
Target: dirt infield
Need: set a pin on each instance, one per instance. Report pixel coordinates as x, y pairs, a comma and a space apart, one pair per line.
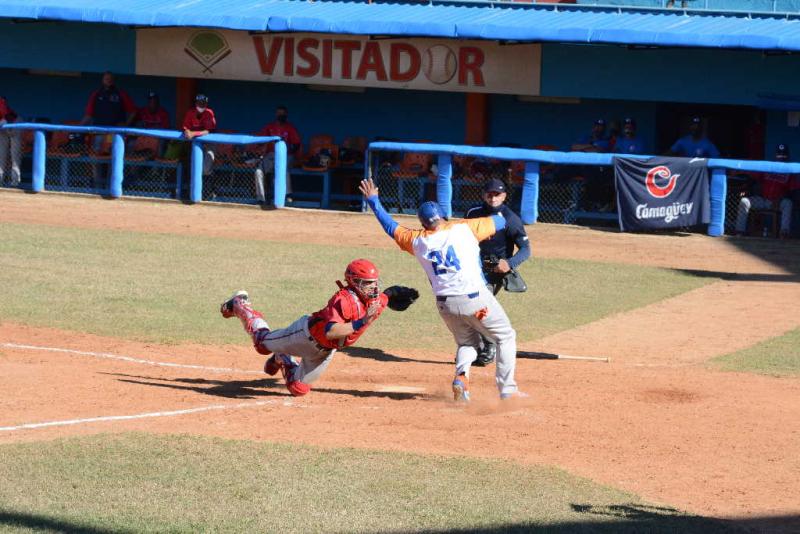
656, 420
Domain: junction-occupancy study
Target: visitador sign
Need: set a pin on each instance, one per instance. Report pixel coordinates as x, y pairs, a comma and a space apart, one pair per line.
426, 64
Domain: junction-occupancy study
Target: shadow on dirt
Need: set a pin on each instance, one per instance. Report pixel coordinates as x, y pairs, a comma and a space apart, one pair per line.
383, 356
251, 389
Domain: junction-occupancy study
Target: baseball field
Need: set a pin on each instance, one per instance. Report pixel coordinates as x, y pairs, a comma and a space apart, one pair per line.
129, 405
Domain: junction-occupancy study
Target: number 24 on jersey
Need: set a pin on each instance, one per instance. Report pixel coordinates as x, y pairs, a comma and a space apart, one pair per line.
441, 264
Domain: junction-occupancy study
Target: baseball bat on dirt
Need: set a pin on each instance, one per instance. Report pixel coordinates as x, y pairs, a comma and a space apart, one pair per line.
552, 356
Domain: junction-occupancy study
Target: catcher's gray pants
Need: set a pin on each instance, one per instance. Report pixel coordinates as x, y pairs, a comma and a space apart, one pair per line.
10, 145
267, 167
458, 313
295, 340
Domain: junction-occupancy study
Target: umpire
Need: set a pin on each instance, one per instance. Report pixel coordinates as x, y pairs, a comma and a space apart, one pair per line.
497, 252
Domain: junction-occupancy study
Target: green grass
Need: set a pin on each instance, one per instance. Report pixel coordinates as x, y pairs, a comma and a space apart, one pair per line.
167, 288
145, 483
779, 356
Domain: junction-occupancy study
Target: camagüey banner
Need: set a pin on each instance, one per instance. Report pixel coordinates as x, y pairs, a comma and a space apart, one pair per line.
661, 192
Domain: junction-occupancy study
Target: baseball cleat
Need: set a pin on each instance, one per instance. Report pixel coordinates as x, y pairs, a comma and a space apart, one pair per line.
460, 391
227, 307
515, 395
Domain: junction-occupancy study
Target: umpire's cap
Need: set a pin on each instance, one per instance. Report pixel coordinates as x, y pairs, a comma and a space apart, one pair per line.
494, 185
430, 214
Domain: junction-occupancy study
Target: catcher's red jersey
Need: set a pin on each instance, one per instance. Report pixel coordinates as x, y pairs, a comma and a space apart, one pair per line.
343, 307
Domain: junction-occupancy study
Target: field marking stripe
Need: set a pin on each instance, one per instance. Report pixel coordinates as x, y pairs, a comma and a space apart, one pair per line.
129, 359
142, 415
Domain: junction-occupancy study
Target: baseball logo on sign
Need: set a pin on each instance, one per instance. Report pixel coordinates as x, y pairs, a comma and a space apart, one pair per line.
655, 181
439, 64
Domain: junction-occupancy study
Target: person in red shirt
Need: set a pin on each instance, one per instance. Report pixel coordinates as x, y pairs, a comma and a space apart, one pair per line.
282, 128
772, 192
199, 121
314, 338
10, 145
153, 116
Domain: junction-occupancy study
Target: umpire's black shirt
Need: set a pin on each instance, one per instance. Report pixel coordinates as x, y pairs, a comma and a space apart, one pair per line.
502, 243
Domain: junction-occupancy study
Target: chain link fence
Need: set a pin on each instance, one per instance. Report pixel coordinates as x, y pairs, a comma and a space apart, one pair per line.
568, 194
78, 162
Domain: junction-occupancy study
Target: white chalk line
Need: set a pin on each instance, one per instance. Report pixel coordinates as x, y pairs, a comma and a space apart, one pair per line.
30, 426
130, 359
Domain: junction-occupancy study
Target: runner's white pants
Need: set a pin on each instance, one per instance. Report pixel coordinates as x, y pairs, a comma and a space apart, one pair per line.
458, 313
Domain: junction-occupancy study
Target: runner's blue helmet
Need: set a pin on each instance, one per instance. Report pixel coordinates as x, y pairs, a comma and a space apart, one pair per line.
429, 213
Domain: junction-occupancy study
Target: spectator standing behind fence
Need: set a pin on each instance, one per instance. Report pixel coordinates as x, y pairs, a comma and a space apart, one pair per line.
199, 121
10, 145
284, 129
153, 116
497, 252
771, 191
696, 144
107, 106
629, 143
598, 180
595, 141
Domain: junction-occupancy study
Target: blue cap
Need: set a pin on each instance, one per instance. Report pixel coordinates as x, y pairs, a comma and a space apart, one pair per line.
428, 213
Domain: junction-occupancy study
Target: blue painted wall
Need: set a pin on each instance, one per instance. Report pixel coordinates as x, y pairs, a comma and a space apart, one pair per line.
561, 125
406, 115
63, 98
666, 75
67, 46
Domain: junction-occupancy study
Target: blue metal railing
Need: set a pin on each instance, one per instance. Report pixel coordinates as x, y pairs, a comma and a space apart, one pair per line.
117, 160
529, 207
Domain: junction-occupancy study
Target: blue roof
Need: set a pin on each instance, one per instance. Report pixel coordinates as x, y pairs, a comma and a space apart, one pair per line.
496, 21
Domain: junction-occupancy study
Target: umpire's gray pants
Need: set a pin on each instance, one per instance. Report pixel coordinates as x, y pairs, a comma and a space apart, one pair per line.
295, 340
458, 313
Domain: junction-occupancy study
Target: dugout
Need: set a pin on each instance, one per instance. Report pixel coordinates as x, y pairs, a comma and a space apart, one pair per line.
557, 67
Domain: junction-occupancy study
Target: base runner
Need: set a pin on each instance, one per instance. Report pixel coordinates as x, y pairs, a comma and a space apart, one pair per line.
313, 339
450, 255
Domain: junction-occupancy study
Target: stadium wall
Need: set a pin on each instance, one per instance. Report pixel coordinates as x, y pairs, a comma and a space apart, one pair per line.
67, 46
612, 82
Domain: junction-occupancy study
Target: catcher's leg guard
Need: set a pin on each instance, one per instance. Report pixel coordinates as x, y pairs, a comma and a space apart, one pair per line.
289, 368
239, 305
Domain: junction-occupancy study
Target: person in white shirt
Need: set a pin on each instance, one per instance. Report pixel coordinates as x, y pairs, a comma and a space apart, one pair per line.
448, 251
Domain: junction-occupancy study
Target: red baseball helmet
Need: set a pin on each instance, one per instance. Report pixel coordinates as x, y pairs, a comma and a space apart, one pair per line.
364, 278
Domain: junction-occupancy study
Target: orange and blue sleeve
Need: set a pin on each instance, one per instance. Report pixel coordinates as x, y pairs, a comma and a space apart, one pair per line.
485, 227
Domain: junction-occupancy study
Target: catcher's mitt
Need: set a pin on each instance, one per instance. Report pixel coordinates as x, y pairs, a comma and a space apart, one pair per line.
401, 297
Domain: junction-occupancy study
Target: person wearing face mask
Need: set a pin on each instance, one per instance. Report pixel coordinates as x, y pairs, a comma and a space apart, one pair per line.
284, 129
501, 246
198, 121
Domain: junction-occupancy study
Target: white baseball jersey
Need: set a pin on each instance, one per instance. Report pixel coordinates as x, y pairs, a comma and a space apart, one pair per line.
450, 254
